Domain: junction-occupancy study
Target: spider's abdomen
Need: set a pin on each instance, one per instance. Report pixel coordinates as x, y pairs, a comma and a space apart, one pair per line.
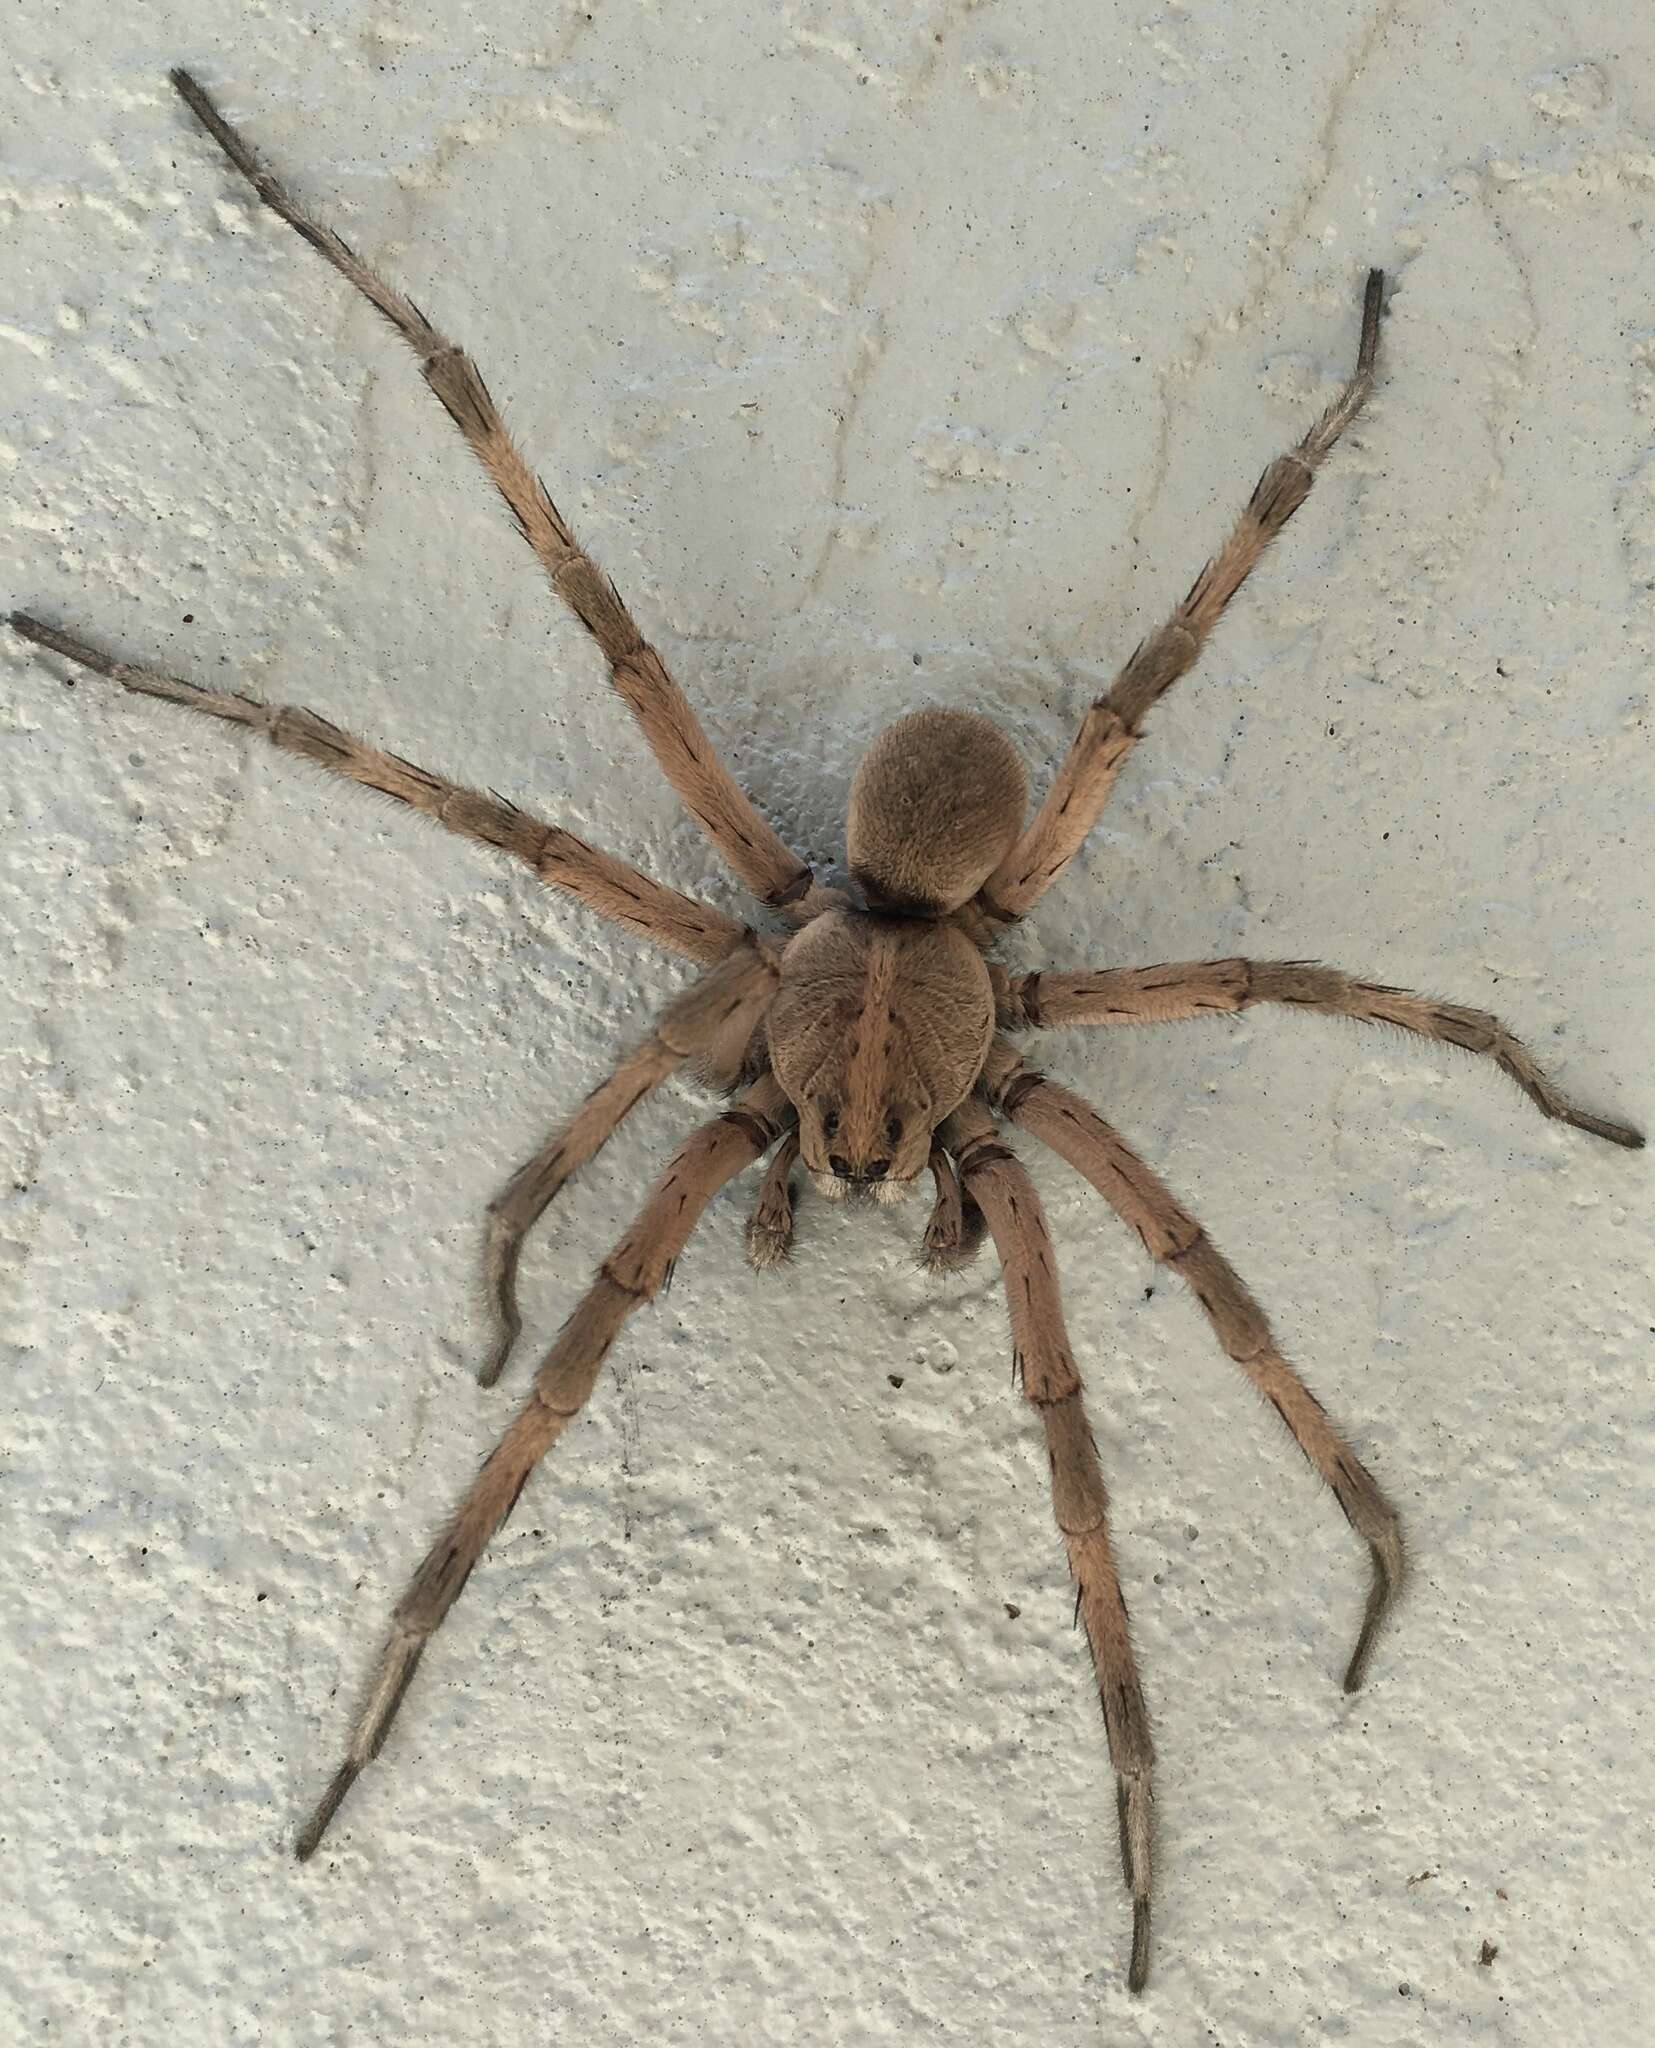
936, 805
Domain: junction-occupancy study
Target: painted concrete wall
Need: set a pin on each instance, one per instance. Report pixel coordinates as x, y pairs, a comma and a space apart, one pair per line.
886, 356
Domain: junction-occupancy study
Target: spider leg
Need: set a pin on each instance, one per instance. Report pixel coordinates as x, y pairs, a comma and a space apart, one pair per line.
1201, 988
634, 1272
714, 1019
758, 855
1051, 1382
1098, 1153
598, 880
1111, 727
770, 1227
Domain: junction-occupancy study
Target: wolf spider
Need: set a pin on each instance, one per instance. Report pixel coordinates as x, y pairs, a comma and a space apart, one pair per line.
870, 1046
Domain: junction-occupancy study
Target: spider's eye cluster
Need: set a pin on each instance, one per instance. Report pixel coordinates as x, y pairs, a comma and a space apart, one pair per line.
893, 1131
830, 1124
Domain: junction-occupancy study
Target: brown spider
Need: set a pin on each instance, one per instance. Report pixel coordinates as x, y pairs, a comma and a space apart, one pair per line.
868, 1042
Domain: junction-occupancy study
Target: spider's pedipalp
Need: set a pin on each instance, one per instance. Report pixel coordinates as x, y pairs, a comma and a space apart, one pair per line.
770, 1227
956, 1227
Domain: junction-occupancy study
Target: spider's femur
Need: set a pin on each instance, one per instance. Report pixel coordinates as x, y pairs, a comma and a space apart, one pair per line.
936, 805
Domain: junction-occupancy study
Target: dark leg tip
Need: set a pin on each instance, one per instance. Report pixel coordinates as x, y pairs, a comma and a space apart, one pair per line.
1617, 1134
1137, 1975
54, 640
1373, 305
332, 1799
1357, 1669
511, 1328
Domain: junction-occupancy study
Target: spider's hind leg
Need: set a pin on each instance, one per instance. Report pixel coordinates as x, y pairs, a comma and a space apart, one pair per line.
754, 849
1114, 723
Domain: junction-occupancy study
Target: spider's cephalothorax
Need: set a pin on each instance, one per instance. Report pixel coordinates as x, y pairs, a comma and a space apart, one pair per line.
868, 1043
883, 1018
879, 1029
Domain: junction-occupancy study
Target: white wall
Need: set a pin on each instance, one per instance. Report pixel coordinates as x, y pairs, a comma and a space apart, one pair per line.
886, 355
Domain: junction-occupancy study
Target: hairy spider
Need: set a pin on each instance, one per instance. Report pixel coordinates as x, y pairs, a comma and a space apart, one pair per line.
870, 1045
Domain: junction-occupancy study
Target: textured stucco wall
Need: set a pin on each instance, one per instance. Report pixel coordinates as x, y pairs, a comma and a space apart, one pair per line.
886, 355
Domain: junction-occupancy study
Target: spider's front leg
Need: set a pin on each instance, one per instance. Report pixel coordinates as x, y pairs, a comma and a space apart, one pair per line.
1096, 1151
1051, 1382
634, 1273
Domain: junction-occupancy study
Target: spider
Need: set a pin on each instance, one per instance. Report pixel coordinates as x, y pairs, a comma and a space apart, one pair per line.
872, 1045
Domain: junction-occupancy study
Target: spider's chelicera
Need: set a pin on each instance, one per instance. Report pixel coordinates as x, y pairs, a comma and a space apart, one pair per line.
873, 1044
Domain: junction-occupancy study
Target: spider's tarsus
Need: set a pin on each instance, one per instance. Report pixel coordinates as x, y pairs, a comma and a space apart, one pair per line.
1387, 1584
196, 98
1605, 1127
501, 1261
332, 1799
1137, 1975
27, 627
1373, 305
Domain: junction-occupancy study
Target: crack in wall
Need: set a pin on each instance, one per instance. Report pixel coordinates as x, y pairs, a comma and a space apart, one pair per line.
1326, 154
870, 352
1183, 371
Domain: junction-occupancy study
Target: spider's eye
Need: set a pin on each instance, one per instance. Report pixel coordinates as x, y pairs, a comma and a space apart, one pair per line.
893, 1131
830, 1124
